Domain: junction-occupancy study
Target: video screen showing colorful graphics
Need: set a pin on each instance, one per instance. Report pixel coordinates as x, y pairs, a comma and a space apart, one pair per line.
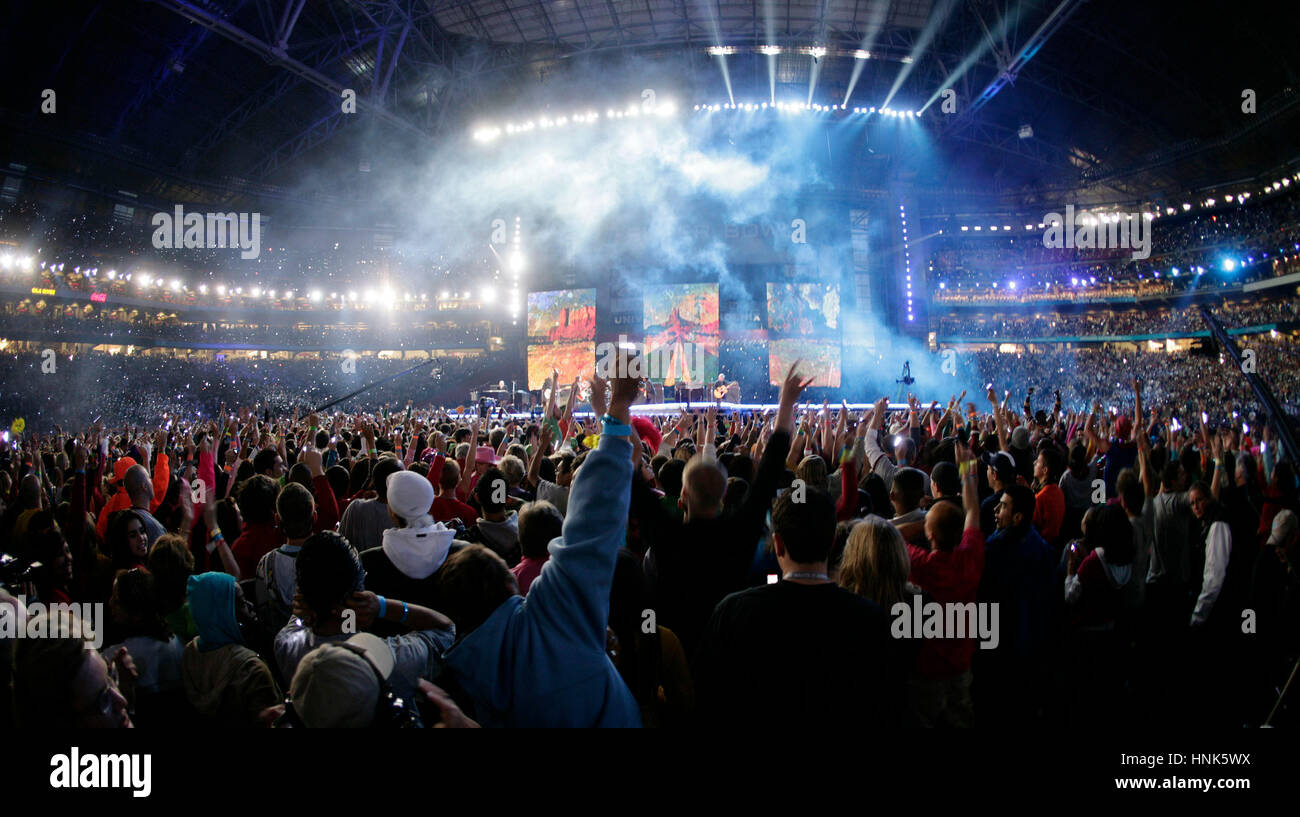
681, 333
803, 309
819, 359
803, 323
561, 334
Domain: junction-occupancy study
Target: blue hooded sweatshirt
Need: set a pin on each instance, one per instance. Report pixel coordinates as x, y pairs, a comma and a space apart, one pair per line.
212, 603
539, 661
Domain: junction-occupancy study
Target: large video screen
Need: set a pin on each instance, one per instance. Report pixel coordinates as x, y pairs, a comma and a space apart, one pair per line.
561, 334
681, 333
803, 323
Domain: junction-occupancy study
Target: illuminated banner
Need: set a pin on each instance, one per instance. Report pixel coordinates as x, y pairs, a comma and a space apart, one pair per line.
561, 334
803, 323
681, 333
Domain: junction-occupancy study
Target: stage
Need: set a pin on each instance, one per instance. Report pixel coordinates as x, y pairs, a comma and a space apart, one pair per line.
659, 409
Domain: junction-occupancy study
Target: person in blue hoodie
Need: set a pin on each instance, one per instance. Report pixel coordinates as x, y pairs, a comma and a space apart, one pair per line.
224, 680
540, 660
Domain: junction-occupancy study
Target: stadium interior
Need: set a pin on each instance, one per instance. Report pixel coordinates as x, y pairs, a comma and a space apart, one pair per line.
417, 221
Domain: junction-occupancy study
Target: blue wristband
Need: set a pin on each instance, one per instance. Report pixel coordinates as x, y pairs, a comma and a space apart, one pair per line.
405, 609
615, 428
383, 606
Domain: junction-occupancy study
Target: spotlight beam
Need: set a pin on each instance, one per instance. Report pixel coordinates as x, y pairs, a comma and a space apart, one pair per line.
986, 44
1054, 22
875, 22
922, 43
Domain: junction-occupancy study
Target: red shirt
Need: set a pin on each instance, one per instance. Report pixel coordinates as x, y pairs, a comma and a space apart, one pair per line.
327, 506
258, 539
950, 578
446, 508
527, 570
1049, 511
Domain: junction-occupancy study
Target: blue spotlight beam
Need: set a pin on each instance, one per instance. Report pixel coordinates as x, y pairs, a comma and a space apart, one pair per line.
922, 43
1007, 76
969, 61
875, 24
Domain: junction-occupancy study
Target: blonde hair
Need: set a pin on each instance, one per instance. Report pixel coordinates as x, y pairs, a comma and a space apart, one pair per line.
812, 470
875, 563
513, 468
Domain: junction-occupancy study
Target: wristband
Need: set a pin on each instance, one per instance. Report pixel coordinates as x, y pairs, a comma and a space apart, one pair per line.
383, 606
406, 609
615, 428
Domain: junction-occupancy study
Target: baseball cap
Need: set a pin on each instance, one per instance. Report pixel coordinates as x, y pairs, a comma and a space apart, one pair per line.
1003, 463
337, 685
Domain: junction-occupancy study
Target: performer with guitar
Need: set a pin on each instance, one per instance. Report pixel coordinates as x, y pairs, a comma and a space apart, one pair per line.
723, 390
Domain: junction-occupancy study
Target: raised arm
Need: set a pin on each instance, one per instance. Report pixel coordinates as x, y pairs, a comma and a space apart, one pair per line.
1137, 406
572, 594
770, 468
161, 473
1149, 482
1000, 421
467, 468
970, 497
327, 506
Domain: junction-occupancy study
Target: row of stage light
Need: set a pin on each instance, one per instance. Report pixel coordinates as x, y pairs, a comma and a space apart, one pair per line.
797, 108
665, 109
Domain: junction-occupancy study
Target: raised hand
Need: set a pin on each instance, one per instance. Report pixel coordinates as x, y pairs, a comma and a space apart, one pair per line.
312, 459
791, 389
624, 389
599, 399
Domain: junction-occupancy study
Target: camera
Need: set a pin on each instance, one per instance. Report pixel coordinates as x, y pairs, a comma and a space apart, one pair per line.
16, 574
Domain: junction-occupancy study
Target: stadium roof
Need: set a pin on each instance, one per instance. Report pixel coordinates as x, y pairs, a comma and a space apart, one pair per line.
1125, 100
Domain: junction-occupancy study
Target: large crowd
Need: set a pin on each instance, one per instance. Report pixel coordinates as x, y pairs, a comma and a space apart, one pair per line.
45, 390
1255, 236
1187, 384
1115, 322
124, 328
408, 566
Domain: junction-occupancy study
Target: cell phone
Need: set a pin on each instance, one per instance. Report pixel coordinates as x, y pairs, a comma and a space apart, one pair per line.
1074, 547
